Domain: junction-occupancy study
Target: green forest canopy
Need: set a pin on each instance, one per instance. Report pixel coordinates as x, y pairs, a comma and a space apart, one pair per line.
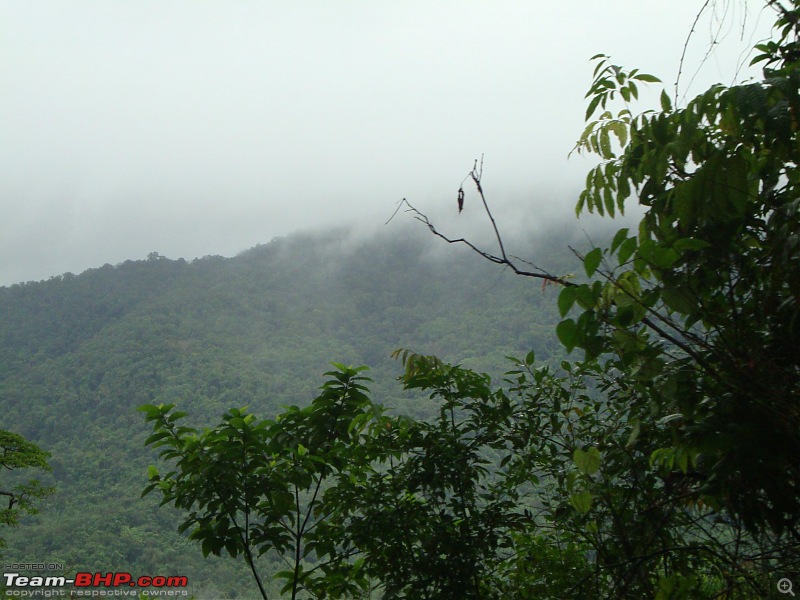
81, 352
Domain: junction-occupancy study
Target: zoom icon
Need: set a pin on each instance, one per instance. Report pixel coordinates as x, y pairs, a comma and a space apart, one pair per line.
785, 586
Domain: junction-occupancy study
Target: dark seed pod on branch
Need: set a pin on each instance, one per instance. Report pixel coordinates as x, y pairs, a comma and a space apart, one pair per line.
460, 199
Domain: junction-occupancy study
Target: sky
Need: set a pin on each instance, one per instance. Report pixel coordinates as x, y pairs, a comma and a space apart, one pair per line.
198, 127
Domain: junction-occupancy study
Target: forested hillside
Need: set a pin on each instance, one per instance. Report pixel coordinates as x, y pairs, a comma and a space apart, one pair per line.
80, 353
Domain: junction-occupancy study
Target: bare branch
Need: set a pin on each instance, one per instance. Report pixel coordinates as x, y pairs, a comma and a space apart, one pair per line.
502, 259
12, 499
686, 46
476, 174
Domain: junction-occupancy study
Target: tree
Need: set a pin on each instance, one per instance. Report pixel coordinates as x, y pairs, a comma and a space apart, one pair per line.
430, 518
696, 313
18, 453
350, 498
663, 464
545, 487
701, 304
253, 487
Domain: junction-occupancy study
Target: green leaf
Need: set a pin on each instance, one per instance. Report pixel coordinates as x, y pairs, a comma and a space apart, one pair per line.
625, 315
232, 547
626, 250
683, 461
657, 255
592, 107
636, 428
666, 103
605, 144
567, 332
566, 299
176, 415
619, 237
581, 202
588, 461
690, 244
592, 261
159, 435
679, 300
608, 199
207, 547
582, 501
621, 131
760, 58
587, 296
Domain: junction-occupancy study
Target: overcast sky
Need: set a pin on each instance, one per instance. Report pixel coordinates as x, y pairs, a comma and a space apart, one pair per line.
205, 127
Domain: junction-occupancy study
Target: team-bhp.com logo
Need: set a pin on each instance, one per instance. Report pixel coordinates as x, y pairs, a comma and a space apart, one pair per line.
94, 580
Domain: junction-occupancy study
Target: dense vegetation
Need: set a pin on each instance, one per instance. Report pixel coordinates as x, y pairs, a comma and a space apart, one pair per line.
81, 352
640, 471
18, 453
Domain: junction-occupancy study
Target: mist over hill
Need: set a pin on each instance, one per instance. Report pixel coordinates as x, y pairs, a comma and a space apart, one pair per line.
80, 352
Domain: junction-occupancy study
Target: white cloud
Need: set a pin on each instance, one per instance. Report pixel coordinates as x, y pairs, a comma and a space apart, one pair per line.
192, 128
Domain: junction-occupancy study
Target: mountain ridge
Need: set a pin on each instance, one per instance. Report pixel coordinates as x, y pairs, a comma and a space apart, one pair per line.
81, 352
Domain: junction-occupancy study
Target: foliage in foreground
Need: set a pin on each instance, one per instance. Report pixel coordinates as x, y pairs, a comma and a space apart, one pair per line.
663, 465
540, 488
18, 453
701, 304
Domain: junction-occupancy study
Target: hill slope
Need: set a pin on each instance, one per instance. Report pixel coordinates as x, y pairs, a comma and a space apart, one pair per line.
80, 353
